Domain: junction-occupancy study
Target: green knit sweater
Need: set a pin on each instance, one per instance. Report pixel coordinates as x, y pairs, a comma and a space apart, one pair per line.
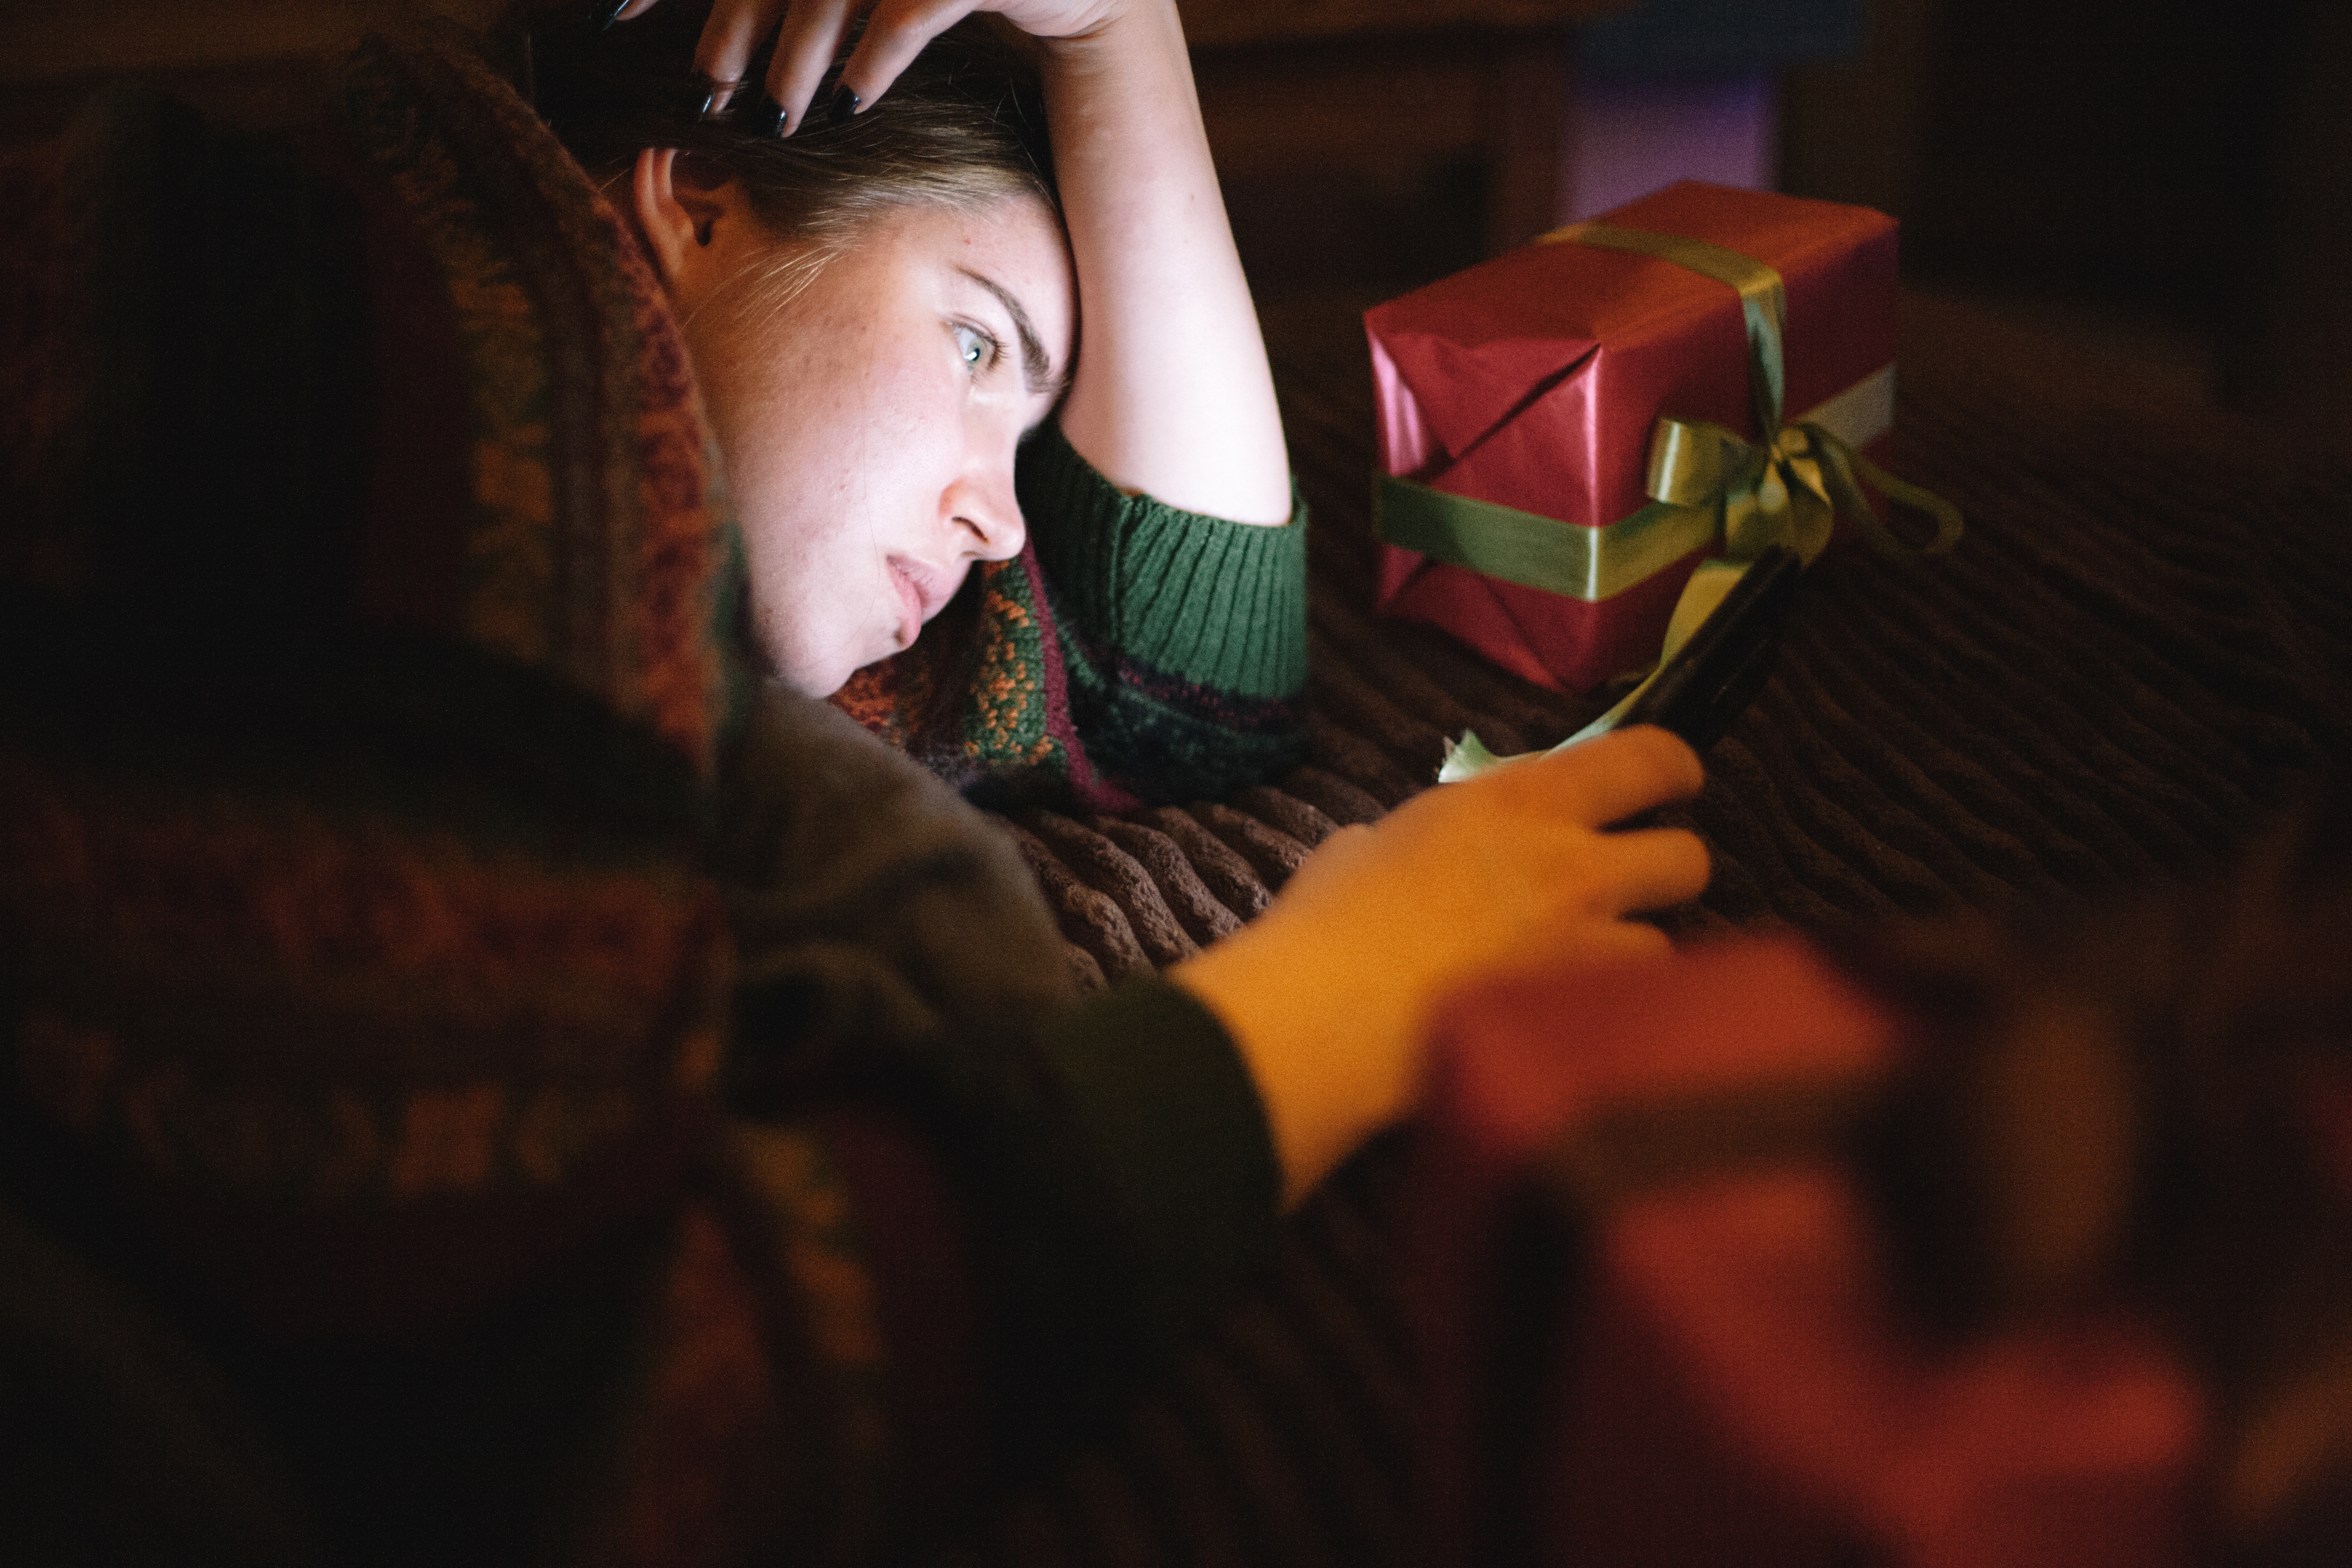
1131, 653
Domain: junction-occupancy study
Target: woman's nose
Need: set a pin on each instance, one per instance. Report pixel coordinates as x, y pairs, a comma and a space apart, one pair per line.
987, 515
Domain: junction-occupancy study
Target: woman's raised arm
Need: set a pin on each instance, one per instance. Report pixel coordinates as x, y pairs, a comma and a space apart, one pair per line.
1170, 395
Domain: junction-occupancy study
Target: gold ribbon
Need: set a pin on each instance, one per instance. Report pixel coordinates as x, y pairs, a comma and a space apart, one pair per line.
1705, 483
1792, 487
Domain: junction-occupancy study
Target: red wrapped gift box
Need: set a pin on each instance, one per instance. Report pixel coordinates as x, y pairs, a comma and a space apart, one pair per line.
1656, 1322
1534, 381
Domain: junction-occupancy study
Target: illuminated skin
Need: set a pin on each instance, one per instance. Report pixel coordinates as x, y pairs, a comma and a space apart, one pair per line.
870, 425
1170, 395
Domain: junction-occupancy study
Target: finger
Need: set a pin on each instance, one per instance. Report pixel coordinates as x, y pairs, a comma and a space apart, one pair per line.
1614, 777
810, 36
895, 35
723, 54
1589, 944
1652, 869
1622, 939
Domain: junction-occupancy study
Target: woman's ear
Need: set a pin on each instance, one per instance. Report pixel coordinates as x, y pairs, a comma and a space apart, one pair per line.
679, 216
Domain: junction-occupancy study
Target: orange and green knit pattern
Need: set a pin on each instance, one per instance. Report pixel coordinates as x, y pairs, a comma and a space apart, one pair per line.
1131, 653
365, 671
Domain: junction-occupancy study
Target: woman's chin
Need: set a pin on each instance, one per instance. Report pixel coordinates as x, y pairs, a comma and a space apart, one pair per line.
820, 661
810, 675
825, 685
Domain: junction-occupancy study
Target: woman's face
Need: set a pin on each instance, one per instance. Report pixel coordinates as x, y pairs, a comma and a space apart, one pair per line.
869, 427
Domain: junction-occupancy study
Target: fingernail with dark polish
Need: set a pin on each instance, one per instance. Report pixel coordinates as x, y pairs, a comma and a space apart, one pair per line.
701, 96
607, 14
766, 116
845, 105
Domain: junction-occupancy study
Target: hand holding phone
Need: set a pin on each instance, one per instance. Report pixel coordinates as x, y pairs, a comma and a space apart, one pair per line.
1699, 691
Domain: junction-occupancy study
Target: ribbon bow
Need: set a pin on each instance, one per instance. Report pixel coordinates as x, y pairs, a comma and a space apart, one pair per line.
1791, 487
1708, 482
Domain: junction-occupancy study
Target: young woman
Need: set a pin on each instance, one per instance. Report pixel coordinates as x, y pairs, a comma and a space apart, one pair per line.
490, 1078
888, 311
924, 358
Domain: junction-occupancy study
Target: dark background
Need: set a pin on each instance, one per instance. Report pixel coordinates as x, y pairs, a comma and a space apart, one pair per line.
2161, 185
2176, 170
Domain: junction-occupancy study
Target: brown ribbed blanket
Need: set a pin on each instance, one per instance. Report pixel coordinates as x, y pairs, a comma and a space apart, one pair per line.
2143, 648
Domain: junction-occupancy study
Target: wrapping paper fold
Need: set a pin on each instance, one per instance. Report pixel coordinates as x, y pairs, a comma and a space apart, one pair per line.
1535, 382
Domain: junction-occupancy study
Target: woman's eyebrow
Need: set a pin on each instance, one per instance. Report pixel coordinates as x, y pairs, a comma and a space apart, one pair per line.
1037, 367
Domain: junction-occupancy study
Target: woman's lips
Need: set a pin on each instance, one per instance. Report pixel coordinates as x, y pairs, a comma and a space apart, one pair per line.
923, 592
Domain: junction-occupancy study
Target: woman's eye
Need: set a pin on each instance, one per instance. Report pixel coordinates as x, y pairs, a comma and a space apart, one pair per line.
978, 348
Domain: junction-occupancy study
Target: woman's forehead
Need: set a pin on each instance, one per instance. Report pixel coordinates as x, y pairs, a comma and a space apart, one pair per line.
1012, 250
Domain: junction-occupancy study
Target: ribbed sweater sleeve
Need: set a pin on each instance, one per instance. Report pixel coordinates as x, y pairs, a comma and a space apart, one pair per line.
1171, 1118
1087, 1229
1201, 599
1184, 635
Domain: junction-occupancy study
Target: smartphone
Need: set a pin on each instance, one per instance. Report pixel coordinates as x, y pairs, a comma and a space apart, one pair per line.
1702, 687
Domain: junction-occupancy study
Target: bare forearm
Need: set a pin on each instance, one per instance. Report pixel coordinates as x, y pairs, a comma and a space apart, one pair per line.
1172, 394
